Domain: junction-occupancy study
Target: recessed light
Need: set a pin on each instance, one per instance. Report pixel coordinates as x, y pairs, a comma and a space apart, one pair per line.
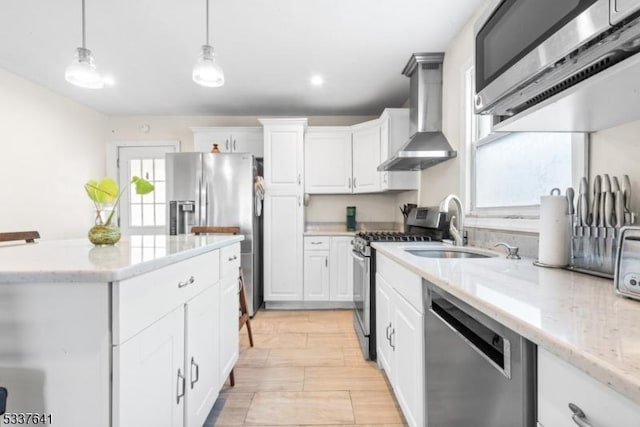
317, 80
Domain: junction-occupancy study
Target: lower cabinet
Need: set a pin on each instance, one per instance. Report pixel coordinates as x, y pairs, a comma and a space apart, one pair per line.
149, 375
328, 268
170, 372
400, 338
561, 385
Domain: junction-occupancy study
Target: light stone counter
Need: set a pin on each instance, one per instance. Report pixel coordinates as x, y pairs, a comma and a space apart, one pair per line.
77, 260
575, 316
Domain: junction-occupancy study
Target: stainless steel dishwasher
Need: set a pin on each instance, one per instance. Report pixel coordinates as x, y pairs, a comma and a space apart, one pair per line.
478, 372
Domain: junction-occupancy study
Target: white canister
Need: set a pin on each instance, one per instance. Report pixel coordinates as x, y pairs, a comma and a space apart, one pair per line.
555, 239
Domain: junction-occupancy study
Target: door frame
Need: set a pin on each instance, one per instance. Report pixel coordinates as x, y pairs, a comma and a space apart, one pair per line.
114, 146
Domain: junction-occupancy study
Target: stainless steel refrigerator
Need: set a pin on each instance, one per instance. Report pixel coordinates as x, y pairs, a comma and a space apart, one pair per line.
218, 190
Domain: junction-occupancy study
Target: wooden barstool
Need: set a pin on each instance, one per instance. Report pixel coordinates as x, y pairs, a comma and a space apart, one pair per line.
244, 318
27, 236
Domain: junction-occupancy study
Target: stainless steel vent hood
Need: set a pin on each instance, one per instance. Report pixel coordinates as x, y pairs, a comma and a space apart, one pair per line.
427, 144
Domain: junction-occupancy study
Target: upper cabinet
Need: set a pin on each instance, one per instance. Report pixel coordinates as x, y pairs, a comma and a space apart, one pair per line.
366, 155
229, 139
344, 159
327, 160
394, 133
283, 155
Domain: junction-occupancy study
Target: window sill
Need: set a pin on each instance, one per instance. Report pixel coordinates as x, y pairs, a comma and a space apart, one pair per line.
524, 225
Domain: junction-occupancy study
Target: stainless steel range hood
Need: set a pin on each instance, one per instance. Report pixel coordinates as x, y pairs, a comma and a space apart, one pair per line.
427, 145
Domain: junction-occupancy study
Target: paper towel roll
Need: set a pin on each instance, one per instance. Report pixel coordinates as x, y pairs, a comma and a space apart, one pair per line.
555, 241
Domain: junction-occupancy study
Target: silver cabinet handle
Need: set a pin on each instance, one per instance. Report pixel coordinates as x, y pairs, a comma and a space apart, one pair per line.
385, 176
316, 243
387, 333
354, 183
578, 416
180, 381
349, 182
193, 363
226, 144
299, 178
326, 262
393, 332
234, 145
233, 258
188, 282
299, 203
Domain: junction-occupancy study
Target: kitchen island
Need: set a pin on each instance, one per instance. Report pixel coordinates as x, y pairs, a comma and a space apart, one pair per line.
587, 336
141, 333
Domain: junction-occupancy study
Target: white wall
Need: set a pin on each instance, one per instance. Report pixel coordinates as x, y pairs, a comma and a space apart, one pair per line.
616, 151
127, 128
369, 207
50, 147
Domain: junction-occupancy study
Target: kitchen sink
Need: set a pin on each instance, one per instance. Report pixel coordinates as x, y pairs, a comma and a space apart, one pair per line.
453, 252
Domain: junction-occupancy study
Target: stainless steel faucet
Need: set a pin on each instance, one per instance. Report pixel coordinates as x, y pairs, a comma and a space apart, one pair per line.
456, 233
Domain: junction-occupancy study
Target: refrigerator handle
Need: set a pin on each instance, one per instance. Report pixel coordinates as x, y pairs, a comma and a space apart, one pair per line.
204, 203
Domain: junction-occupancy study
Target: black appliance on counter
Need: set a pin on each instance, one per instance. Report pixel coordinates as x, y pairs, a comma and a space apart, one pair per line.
423, 224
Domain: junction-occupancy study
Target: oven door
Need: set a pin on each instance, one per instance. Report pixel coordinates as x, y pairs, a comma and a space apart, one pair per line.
362, 290
517, 40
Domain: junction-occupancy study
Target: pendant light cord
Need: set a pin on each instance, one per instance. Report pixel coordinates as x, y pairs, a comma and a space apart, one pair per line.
84, 36
207, 42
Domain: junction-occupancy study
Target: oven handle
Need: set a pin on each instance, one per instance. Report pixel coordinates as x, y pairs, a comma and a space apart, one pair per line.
357, 257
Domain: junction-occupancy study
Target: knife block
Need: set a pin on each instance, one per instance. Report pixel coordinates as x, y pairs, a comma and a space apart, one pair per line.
593, 250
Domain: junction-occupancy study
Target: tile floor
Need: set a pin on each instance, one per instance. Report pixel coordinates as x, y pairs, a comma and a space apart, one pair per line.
306, 369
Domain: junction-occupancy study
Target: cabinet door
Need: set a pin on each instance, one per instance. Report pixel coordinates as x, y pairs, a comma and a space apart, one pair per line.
149, 379
202, 350
283, 159
316, 275
560, 383
366, 158
203, 140
250, 140
407, 339
341, 271
327, 162
229, 334
283, 250
384, 325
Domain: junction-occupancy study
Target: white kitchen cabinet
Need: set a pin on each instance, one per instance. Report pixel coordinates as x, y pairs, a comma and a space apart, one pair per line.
229, 334
284, 155
366, 157
327, 160
560, 384
283, 247
202, 349
149, 375
394, 133
229, 139
341, 269
383, 325
400, 336
316, 275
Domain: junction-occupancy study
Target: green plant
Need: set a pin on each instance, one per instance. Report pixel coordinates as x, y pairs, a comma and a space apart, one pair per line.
106, 193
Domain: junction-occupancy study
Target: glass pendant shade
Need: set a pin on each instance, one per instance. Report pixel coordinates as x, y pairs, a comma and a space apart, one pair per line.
82, 71
207, 72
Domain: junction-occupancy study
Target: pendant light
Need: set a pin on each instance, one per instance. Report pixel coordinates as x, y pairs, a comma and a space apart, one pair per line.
82, 71
207, 71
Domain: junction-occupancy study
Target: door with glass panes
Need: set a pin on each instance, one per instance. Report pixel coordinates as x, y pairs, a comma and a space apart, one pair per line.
143, 214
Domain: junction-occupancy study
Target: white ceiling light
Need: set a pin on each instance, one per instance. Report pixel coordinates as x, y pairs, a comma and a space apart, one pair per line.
82, 71
317, 80
207, 71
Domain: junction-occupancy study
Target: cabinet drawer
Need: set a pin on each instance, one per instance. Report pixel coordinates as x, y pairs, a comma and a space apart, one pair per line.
560, 383
141, 300
230, 261
317, 243
405, 282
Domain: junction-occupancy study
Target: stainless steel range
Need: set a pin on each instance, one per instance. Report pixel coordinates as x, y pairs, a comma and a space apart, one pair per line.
423, 225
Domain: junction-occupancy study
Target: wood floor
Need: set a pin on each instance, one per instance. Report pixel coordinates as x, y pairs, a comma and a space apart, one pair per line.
306, 369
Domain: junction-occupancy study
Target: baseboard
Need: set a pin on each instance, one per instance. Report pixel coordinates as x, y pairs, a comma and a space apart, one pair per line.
307, 305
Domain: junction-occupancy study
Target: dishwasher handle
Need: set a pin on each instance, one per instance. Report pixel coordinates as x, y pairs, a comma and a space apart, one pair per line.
465, 326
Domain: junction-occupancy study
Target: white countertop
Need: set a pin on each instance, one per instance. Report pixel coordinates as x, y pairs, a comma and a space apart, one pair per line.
573, 315
77, 260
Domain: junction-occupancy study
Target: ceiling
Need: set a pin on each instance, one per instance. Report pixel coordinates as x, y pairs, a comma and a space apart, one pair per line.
269, 49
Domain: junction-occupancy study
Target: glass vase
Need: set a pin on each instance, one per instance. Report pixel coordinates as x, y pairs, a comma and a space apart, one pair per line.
104, 232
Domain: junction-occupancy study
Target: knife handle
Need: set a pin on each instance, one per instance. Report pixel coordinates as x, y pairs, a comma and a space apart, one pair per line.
619, 208
584, 210
595, 211
608, 209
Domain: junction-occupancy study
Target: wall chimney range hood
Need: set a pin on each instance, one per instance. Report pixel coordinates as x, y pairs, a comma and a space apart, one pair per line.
427, 145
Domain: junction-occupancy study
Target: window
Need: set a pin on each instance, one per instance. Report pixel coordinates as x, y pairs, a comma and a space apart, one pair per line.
508, 172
